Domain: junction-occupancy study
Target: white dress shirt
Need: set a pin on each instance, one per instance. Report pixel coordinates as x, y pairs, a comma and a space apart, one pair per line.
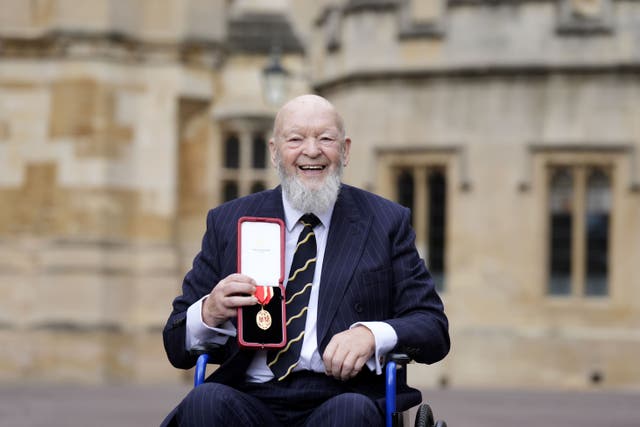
310, 359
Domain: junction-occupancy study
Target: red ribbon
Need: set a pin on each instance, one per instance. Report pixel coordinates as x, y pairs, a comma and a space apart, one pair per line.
264, 294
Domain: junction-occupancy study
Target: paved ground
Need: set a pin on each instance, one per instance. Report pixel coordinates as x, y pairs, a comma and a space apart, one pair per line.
75, 406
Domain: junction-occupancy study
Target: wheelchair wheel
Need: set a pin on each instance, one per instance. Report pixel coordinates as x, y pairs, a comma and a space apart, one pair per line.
424, 416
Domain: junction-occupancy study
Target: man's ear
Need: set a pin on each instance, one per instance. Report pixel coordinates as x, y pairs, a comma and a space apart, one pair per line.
272, 151
347, 147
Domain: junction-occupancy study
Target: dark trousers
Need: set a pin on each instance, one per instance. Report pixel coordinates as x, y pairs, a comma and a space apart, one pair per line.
303, 399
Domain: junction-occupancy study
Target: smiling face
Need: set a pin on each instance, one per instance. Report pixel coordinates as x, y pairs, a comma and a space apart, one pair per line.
309, 149
309, 140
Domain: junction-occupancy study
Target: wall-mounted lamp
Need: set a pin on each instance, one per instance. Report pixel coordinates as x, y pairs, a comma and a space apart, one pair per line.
274, 79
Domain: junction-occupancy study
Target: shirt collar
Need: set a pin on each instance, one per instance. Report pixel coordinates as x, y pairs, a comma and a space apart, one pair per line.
292, 215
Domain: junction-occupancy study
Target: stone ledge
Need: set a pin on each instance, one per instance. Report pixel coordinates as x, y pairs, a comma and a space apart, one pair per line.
475, 71
113, 46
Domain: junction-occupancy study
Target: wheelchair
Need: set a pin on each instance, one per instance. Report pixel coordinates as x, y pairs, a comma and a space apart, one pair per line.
395, 370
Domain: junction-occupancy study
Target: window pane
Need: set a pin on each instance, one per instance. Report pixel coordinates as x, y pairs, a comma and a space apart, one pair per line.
232, 152
560, 228
259, 152
597, 224
436, 226
230, 190
258, 186
404, 189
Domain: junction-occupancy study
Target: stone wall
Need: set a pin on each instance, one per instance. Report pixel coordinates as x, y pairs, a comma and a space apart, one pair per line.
494, 93
89, 192
112, 124
90, 106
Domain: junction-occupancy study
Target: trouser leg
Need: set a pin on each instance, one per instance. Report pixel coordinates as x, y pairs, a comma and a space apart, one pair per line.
347, 409
212, 404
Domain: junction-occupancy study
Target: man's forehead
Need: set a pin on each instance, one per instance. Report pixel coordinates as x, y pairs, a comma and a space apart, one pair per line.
308, 111
308, 100
309, 118
310, 126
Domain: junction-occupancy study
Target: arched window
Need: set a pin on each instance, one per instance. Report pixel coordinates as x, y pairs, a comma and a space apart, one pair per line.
580, 204
243, 160
423, 189
436, 186
404, 189
597, 213
561, 201
230, 190
258, 186
259, 151
231, 152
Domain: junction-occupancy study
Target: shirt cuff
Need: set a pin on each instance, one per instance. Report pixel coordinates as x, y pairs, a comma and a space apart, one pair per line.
386, 340
198, 332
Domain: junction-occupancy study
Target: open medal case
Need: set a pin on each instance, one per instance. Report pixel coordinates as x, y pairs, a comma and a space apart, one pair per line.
261, 256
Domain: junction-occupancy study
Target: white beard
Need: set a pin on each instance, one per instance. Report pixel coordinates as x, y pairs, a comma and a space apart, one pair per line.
307, 199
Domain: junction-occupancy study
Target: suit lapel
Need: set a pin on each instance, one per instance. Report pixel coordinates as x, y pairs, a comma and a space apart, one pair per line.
345, 243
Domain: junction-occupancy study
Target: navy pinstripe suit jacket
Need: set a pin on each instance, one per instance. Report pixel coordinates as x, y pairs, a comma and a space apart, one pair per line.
371, 271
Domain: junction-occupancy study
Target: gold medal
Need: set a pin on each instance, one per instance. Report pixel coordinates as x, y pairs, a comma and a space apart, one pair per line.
263, 295
263, 319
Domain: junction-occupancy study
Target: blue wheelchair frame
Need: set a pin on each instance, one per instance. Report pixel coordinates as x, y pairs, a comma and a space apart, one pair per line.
392, 417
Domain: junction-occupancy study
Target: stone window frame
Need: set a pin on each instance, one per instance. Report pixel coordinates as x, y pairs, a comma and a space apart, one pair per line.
420, 162
245, 177
580, 171
614, 158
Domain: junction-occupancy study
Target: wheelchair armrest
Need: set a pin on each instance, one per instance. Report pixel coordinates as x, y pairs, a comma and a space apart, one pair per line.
202, 351
400, 358
204, 348
395, 371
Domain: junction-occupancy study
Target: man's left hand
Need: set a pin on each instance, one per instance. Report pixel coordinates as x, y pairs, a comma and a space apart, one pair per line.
348, 351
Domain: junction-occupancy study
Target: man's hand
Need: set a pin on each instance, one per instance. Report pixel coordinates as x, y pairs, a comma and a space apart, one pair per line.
348, 351
235, 290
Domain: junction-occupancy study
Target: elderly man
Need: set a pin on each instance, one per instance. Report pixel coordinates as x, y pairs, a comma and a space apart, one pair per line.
367, 293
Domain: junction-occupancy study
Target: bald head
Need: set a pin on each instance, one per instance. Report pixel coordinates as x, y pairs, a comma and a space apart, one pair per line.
310, 106
309, 150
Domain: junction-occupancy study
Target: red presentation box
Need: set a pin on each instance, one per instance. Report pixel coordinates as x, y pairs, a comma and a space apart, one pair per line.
261, 256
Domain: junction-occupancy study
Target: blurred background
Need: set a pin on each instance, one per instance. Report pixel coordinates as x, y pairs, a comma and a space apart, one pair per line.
511, 128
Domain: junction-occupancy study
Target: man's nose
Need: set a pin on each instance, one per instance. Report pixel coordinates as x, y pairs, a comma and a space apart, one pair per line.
311, 147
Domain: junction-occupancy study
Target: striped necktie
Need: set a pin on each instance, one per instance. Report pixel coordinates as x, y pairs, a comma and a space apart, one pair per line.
282, 362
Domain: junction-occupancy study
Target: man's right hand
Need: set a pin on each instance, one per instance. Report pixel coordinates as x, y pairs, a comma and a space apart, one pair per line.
235, 290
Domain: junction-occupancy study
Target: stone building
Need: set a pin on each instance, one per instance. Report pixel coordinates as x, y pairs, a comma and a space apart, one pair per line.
510, 127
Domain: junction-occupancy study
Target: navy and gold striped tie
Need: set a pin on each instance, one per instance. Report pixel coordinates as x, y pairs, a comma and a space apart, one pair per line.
297, 292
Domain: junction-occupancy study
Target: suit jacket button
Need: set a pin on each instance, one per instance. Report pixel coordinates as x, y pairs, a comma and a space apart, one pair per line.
358, 307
